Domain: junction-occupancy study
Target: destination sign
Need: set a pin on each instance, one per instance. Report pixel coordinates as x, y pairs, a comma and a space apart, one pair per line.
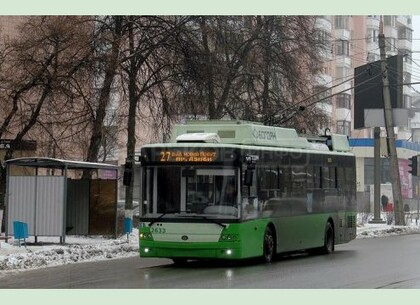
187, 156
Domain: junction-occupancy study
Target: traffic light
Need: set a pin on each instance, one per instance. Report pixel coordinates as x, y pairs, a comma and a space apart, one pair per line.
413, 165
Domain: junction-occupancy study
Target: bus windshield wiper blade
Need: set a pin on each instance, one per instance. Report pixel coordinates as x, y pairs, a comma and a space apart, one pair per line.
171, 211
209, 220
157, 219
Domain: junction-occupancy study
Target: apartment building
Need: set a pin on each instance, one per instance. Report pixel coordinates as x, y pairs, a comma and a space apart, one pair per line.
354, 43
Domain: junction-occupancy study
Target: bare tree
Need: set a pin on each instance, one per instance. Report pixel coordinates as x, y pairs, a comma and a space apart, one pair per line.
286, 59
145, 68
109, 32
249, 67
214, 51
33, 73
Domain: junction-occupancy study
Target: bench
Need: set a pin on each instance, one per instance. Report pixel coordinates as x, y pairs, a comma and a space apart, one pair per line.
20, 230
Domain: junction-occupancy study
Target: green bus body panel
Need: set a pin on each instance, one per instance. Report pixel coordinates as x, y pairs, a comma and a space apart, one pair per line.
248, 242
293, 233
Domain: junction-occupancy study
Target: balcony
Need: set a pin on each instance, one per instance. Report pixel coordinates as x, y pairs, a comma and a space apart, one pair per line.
323, 80
345, 87
324, 24
405, 44
372, 22
390, 31
343, 114
343, 34
325, 107
343, 61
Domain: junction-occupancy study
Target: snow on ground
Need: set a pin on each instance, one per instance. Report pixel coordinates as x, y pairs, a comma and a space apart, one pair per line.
49, 252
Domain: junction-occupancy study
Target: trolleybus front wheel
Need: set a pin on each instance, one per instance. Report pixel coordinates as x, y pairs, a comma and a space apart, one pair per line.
268, 245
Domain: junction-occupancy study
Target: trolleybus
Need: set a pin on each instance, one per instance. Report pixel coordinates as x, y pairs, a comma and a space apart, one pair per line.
235, 190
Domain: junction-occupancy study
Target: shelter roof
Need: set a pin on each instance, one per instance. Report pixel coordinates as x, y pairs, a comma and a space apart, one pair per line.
58, 163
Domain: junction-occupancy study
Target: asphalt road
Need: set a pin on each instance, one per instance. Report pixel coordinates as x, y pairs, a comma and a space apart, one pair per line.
390, 262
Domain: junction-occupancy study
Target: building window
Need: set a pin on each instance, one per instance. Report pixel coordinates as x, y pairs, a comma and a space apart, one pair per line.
325, 39
385, 171
406, 77
372, 57
325, 17
390, 20
342, 47
324, 94
342, 72
343, 127
372, 35
406, 55
407, 101
341, 22
342, 100
405, 33
391, 45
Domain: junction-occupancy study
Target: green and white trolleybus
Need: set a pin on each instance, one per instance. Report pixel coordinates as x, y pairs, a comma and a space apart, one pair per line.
236, 189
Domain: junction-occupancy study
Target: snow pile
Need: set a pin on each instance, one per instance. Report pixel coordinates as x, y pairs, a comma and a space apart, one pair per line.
48, 252
370, 230
76, 249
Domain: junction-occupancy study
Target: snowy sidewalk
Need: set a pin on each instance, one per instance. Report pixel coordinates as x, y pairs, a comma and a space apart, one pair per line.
49, 252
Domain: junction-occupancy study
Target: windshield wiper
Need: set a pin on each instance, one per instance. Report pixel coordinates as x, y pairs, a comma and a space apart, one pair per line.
155, 220
188, 215
160, 217
208, 219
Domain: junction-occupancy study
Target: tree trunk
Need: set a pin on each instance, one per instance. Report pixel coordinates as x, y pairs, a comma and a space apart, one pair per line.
131, 124
104, 97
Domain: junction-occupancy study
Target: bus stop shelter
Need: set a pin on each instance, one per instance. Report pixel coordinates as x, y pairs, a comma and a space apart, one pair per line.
55, 197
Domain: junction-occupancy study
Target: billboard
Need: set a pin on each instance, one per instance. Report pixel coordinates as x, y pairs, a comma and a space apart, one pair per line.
368, 88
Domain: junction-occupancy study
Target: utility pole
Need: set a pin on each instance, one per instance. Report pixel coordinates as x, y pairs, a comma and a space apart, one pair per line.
389, 126
377, 177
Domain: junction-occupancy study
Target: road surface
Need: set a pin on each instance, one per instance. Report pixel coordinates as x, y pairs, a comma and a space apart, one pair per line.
388, 262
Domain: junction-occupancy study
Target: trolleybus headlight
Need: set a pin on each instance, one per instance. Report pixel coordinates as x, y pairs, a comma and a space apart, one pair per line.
228, 237
145, 236
146, 250
229, 252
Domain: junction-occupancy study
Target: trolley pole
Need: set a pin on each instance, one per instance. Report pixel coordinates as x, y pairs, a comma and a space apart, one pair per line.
389, 126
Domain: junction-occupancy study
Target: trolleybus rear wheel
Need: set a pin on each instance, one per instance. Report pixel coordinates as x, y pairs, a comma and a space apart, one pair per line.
268, 245
329, 239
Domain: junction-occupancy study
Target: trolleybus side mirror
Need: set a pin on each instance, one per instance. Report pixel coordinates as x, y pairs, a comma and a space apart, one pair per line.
248, 177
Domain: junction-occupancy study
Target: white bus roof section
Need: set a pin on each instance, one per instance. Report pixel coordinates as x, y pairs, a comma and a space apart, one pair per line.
244, 133
205, 137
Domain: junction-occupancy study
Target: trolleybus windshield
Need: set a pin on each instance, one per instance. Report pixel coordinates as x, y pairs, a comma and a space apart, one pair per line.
179, 191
